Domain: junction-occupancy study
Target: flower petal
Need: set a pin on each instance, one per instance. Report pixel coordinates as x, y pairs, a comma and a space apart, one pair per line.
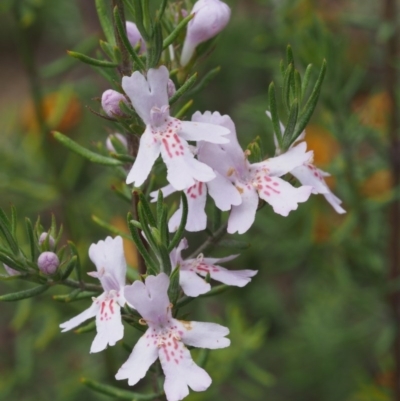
280, 165
243, 216
109, 258
192, 285
143, 355
149, 150
184, 169
282, 196
233, 147
175, 254
146, 94
307, 174
224, 193
180, 372
108, 324
205, 335
195, 131
82, 317
238, 278
335, 202
150, 299
166, 191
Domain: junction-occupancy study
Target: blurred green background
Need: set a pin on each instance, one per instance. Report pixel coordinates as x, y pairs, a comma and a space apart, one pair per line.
314, 324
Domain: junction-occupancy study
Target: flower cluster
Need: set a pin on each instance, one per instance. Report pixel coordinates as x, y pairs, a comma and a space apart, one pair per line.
166, 336
202, 157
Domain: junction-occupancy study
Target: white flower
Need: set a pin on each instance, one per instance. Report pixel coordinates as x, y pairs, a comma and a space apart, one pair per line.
166, 134
108, 256
308, 174
190, 269
166, 338
257, 180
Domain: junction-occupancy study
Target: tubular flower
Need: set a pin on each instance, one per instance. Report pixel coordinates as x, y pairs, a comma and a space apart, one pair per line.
190, 270
165, 134
210, 18
166, 338
308, 174
108, 256
134, 36
257, 180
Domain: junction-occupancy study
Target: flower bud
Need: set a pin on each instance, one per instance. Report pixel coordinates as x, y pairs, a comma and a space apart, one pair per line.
48, 262
171, 89
210, 18
43, 237
134, 36
11, 271
110, 102
120, 138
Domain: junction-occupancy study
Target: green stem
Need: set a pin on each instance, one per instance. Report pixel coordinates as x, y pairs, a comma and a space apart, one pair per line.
212, 240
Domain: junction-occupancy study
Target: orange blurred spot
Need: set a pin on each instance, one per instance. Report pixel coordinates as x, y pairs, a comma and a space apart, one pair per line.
129, 247
373, 111
59, 114
378, 185
324, 145
325, 223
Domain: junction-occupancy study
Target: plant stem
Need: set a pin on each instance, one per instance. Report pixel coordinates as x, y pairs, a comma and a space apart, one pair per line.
210, 241
82, 285
391, 82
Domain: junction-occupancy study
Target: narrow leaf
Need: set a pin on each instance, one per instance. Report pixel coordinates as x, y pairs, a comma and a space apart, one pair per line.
205, 81
183, 89
102, 7
69, 268
179, 28
310, 105
32, 241
86, 328
88, 154
274, 114
16, 296
122, 34
290, 126
92, 61
174, 288
306, 80
179, 232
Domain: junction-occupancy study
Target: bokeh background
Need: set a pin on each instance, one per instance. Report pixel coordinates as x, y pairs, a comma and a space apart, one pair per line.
315, 324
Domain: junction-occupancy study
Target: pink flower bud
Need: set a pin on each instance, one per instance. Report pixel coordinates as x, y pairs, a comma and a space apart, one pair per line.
210, 18
48, 262
171, 89
134, 36
11, 271
120, 138
110, 102
43, 237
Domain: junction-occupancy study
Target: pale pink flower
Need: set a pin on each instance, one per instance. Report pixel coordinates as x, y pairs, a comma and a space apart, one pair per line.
48, 263
110, 100
257, 180
210, 18
134, 36
308, 174
192, 270
166, 134
108, 256
166, 338
220, 190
